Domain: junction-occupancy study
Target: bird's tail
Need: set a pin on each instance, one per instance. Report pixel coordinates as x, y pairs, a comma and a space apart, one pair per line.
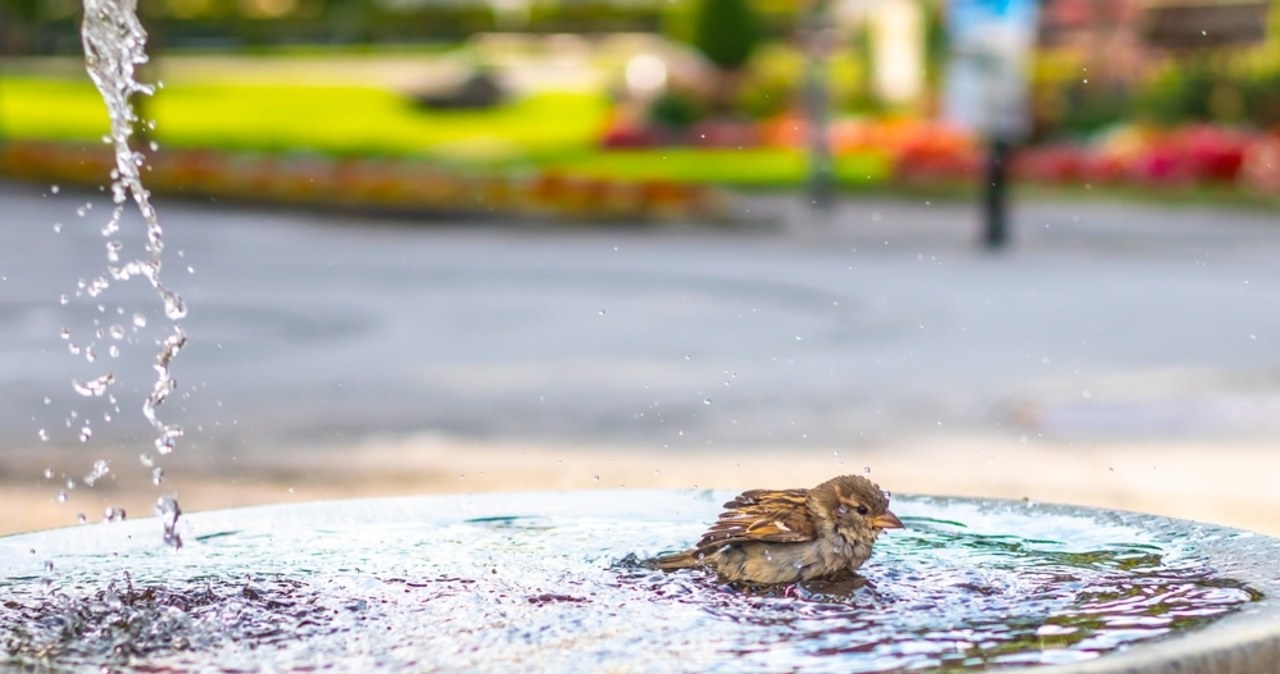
679, 560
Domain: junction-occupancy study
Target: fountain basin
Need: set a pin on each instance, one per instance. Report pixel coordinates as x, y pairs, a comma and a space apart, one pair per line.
548, 582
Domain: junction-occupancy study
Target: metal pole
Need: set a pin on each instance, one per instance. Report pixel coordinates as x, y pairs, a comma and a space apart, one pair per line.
996, 192
820, 181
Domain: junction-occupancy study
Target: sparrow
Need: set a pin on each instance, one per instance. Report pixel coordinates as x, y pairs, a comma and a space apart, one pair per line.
771, 537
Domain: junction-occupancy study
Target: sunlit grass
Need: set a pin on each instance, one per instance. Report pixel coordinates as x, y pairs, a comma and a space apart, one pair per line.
353, 120
329, 119
51, 109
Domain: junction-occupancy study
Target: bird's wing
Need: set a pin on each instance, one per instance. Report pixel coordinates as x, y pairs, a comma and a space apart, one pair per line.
779, 516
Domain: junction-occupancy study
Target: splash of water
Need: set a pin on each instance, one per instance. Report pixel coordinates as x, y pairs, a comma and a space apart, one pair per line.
114, 47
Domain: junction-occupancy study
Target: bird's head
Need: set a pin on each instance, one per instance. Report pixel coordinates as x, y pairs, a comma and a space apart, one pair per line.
855, 503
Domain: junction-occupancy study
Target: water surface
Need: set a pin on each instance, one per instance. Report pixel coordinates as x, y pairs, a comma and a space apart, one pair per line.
548, 583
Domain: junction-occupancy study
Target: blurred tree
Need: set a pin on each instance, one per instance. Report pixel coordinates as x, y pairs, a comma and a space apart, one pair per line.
348, 20
20, 24
677, 20
727, 32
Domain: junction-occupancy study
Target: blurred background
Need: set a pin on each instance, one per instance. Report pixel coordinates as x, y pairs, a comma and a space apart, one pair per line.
462, 245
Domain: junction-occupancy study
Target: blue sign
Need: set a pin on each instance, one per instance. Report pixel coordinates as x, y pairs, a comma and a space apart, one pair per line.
987, 78
964, 16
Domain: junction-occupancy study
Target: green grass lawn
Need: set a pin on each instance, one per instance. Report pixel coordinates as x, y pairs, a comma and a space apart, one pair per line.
555, 130
334, 120
51, 109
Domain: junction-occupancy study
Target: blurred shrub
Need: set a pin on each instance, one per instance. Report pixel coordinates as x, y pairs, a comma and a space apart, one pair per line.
771, 82
773, 78
675, 111
1262, 99
1180, 94
1217, 88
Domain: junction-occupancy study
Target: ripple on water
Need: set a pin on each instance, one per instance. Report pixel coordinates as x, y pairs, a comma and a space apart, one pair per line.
961, 588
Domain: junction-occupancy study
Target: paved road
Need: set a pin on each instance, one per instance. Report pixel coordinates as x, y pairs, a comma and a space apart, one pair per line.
880, 323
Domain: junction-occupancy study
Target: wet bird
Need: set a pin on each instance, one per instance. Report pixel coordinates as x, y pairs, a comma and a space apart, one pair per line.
768, 537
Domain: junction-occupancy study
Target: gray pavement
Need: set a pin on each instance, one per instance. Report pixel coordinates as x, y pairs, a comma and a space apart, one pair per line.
878, 323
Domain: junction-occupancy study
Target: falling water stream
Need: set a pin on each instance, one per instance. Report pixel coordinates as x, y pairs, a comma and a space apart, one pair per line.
114, 47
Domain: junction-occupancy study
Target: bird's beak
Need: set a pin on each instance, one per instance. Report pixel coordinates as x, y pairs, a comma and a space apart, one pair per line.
887, 521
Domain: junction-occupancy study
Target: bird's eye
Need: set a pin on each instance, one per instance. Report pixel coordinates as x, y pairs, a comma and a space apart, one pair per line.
862, 510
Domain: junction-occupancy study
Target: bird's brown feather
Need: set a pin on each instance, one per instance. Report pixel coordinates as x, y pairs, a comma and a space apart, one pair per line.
778, 516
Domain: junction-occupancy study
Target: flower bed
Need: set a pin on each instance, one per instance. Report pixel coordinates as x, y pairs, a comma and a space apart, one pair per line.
392, 185
923, 153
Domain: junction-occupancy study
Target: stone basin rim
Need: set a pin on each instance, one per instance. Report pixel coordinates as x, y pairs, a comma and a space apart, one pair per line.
1246, 642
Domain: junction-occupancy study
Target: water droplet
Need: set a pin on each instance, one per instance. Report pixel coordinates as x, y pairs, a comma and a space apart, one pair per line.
139, 321
55, 189
48, 473
595, 478
174, 307
146, 460
65, 333
706, 401
168, 510
97, 286
113, 351
167, 440
93, 387
57, 228
81, 519
63, 299
866, 470
157, 475
61, 497
100, 470
44, 437
86, 433
112, 514
602, 312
